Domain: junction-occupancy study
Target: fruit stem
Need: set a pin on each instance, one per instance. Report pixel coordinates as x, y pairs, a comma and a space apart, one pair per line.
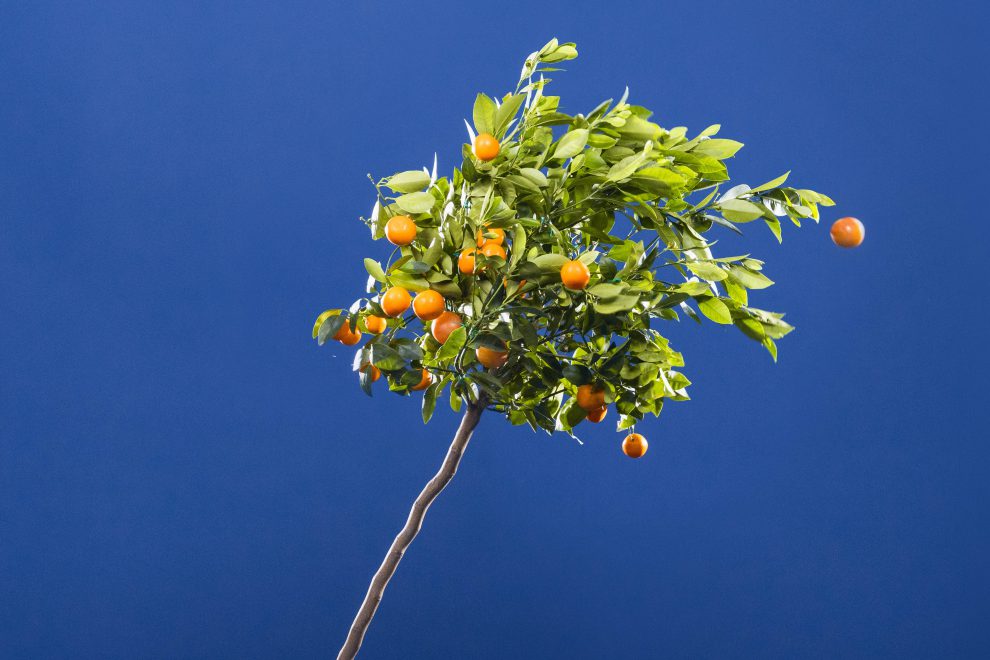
413, 524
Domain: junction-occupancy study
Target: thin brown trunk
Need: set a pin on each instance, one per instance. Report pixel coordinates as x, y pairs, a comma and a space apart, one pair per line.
409, 531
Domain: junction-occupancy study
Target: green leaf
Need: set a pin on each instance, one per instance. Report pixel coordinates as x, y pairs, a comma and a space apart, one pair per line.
739, 210
518, 245
455, 399
779, 181
606, 290
578, 374
409, 181
374, 269
385, 357
707, 270
506, 112
622, 303
329, 327
434, 252
749, 278
717, 148
453, 345
774, 226
416, 202
625, 167
550, 262
430, 400
571, 144
484, 114
409, 281
715, 309
535, 176
321, 318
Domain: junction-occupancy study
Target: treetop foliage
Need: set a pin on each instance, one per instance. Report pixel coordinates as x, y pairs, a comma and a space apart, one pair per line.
635, 202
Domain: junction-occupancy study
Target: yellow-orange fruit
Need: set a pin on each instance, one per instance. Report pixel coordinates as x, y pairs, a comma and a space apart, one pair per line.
493, 250
395, 301
482, 240
445, 324
465, 262
428, 305
491, 358
343, 331
486, 147
634, 445
598, 414
590, 397
424, 382
375, 324
847, 232
350, 338
575, 275
400, 230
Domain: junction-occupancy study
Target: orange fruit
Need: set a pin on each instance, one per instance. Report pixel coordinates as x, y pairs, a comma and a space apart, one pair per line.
575, 275
343, 331
350, 338
400, 230
848, 232
598, 414
491, 358
395, 301
445, 324
424, 382
486, 147
465, 262
375, 373
428, 305
590, 397
498, 238
375, 324
493, 250
634, 445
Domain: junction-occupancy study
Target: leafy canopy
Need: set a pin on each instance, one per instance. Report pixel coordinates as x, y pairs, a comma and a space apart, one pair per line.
632, 200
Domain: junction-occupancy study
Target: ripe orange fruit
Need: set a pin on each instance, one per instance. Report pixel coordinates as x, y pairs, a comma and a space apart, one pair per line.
428, 305
590, 397
491, 358
375, 373
598, 414
400, 230
465, 262
848, 232
395, 301
486, 147
350, 338
575, 275
375, 324
634, 445
493, 250
445, 324
343, 331
482, 240
424, 382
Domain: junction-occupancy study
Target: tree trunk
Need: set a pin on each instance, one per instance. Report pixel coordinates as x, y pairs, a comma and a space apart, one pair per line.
411, 528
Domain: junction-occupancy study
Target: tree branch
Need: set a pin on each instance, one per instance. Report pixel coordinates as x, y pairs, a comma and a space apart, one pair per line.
413, 524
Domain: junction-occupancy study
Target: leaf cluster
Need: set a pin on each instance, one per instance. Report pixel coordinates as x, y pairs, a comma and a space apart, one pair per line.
636, 202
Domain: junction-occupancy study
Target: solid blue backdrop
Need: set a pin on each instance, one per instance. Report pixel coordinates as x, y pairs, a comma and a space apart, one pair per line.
184, 473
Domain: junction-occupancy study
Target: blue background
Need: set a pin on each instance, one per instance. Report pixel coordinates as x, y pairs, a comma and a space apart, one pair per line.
184, 473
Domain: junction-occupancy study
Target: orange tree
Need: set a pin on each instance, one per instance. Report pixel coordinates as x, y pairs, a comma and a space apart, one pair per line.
533, 281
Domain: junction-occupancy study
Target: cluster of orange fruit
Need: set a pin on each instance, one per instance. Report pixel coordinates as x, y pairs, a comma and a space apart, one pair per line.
430, 306
591, 399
